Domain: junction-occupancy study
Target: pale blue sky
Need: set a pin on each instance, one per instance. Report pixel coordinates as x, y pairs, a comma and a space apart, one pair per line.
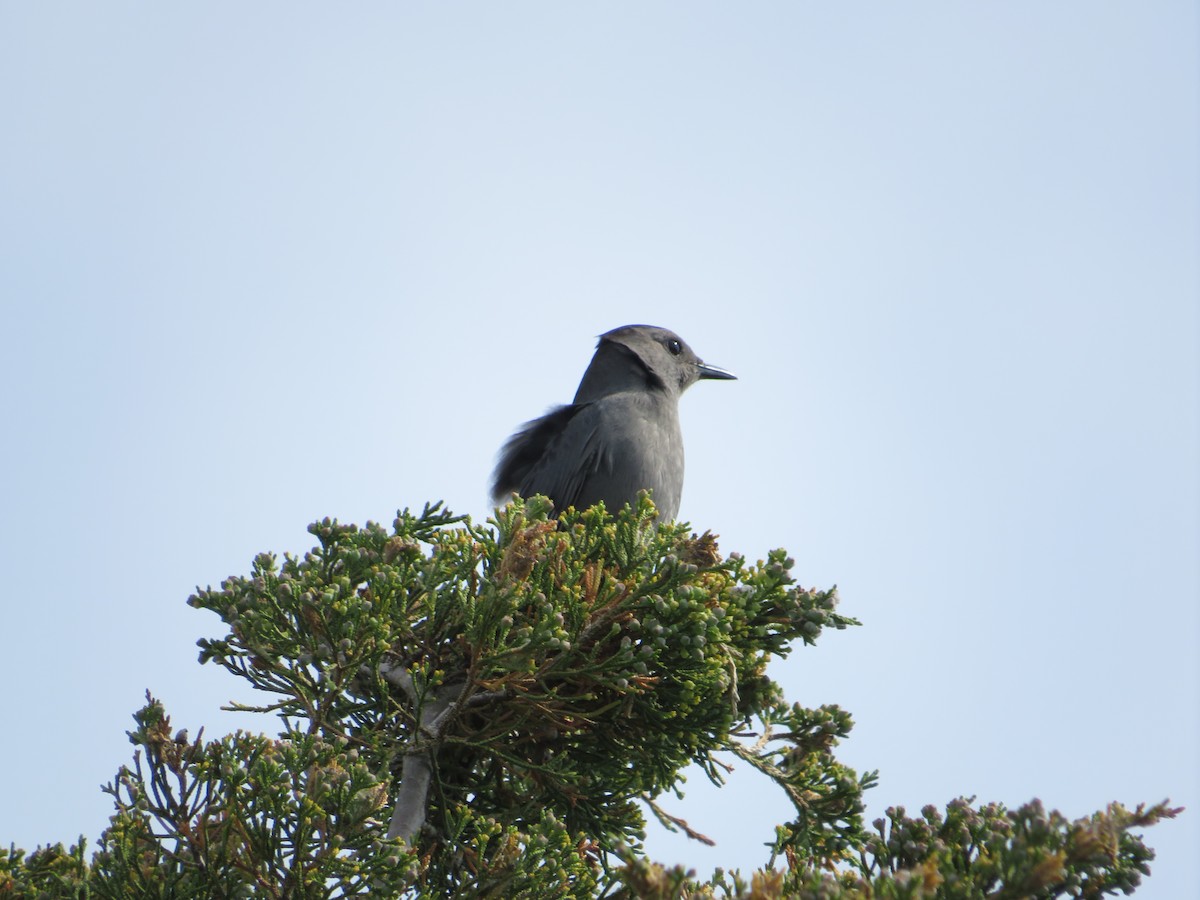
266, 263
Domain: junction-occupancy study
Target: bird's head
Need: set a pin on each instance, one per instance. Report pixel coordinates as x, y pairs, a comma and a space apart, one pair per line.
640, 356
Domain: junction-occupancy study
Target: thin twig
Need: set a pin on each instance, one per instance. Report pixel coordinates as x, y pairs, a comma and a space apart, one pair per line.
674, 823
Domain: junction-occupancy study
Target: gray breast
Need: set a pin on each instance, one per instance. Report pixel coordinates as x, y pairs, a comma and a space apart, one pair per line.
641, 448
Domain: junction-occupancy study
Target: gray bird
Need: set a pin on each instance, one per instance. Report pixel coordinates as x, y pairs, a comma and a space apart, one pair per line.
620, 435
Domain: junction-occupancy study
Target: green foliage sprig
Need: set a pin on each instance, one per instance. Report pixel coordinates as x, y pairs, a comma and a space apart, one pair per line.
597, 657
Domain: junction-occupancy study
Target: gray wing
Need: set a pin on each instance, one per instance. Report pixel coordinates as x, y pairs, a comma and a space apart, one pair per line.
555, 455
570, 461
605, 450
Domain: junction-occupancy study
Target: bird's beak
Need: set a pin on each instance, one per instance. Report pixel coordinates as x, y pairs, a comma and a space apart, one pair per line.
707, 371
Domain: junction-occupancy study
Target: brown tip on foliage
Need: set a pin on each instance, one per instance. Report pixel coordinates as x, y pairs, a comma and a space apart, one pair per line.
522, 551
701, 550
400, 546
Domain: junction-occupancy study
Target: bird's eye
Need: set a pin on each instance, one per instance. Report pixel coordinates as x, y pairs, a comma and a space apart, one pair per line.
674, 346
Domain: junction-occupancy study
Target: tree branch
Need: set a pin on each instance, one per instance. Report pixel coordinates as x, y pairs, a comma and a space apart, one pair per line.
416, 772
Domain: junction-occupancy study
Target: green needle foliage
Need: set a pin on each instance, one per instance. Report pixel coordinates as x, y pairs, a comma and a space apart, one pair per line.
513, 698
